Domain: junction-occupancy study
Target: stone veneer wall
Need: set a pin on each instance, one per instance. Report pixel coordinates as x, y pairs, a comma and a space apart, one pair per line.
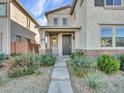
100, 52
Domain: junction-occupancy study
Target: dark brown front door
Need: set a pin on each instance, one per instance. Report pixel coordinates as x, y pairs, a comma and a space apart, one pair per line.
66, 45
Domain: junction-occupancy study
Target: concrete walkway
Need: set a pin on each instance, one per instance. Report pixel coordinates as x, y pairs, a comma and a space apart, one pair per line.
60, 82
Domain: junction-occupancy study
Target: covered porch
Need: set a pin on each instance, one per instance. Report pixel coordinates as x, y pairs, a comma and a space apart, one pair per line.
58, 41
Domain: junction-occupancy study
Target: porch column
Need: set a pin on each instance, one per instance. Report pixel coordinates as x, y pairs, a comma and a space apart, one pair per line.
42, 42
77, 39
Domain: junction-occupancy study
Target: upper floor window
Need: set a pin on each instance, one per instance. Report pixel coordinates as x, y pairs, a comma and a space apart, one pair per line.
65, 21
109, 3
114, 2
106, 37
99, 2
55, 21
28, 23
18, 39
3, 9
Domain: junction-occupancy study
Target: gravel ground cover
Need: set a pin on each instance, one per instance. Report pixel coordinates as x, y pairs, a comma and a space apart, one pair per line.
112, 83
28, 84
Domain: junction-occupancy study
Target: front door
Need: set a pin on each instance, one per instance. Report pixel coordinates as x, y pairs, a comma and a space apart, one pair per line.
66, 45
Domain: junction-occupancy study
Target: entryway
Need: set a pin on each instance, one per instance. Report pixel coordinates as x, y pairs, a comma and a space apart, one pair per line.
67, 46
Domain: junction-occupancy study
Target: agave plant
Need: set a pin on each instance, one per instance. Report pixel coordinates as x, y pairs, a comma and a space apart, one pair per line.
82, 64
94, 82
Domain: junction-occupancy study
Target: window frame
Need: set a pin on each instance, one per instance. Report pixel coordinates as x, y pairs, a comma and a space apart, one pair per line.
117, 36
98, 5
113, 5
4, 3
56, 21
114, 27
66, 21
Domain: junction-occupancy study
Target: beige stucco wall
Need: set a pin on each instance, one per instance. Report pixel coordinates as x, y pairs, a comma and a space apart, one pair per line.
19, 17
5, 30
97, 16
60, 15
79, 18
91, 18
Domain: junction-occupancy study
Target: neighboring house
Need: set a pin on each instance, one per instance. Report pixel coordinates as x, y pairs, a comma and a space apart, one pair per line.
18, 32
91, 26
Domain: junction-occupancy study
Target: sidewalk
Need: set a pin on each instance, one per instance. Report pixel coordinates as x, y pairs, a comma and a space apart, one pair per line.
60, 79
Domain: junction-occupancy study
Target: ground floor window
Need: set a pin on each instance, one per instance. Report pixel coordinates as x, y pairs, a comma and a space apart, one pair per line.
120, 37
106, 37
22, 39
1, 39
112, 36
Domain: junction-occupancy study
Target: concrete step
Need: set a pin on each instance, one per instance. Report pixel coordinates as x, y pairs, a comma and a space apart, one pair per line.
60, 87
60, 73
60, 64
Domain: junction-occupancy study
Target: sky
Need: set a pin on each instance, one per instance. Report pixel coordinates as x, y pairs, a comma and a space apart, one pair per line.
37, 8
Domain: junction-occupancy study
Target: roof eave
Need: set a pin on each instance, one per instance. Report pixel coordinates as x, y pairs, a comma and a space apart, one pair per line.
61, 8
23, 9
73, 6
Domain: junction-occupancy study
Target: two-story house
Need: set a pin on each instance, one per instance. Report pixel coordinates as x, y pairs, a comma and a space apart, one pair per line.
18, 32
59, 36
92, 26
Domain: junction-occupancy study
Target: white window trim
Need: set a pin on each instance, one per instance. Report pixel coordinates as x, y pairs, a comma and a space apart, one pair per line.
114, 6
113, 37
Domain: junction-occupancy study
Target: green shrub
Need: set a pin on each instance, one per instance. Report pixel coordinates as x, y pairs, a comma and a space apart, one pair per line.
76, 54
122, 62
2, 57
47, 60
15, 54
27, 64
22, 65
94, 82
108, 64
81, 65
18, 72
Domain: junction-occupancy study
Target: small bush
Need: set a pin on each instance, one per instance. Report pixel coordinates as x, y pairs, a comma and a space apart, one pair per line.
2, 57
76, 54
81, 65
122, 62
27, 64
15, 54
108, 64
22, 65
47, 60
94, 82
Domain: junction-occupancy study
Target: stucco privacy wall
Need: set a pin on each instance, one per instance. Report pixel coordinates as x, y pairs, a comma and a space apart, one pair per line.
17, 29
5, 30
60, 15
97, 16
79, 18
19, 17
